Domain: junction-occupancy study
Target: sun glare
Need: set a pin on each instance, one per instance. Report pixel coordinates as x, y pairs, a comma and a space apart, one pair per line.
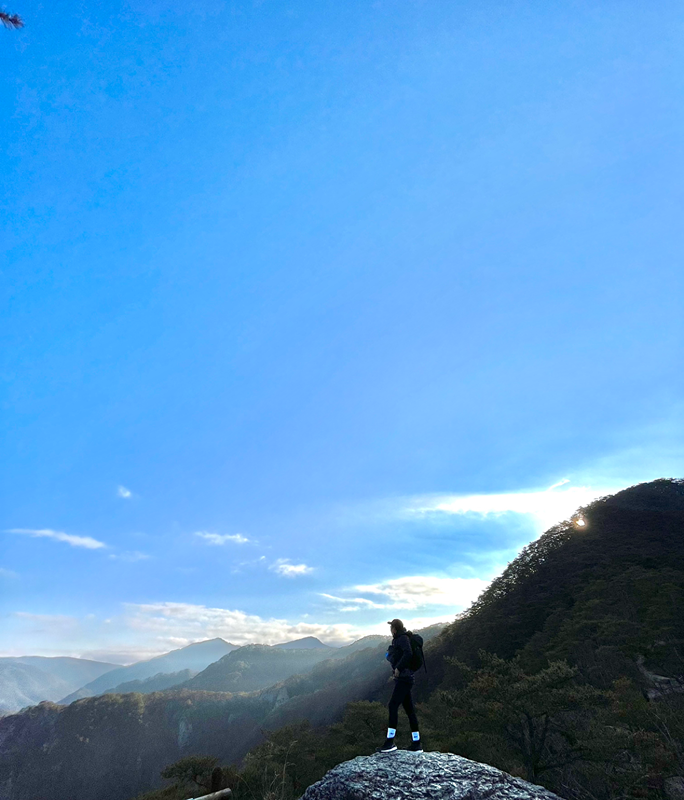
580, 522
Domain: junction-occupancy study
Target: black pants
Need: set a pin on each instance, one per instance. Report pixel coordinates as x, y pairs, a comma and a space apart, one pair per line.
401, 696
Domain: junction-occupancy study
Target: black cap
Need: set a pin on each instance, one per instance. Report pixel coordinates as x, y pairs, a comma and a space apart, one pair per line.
397, 624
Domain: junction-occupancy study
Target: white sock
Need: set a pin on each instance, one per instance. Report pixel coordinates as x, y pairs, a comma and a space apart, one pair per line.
415, 736
391, 733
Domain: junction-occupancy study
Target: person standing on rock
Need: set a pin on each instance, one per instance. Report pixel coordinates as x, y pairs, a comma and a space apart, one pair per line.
399, 656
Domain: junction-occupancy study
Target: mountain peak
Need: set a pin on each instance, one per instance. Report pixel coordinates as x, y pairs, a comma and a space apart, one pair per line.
307, 643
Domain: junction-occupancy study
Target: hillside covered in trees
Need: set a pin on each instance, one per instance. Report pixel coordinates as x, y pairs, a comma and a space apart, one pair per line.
113, 746
568, 671
596, 593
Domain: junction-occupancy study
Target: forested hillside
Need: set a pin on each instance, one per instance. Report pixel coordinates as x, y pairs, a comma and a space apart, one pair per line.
568, 670
113, 746
254, 667
607, 589
194, 657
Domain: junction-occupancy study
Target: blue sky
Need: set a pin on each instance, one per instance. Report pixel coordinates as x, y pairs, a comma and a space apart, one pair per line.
307, 306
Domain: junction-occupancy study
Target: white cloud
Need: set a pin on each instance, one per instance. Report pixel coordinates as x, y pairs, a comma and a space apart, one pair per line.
143, 631
122, 491
420, 591
412, 592
219, 539
561, 482
547, 506
75, 541
132, 556
283, 567
178, 624
361, 602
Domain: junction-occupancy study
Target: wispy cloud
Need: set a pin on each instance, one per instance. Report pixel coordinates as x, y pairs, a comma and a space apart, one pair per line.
75, 541
419, 591
8, 573
131, 556
548, 506
219, 539
412, 592
353, 603
283, 567
52, 623
122, 491
249, 563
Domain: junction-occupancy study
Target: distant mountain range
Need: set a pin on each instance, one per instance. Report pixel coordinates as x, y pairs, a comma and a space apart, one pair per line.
257, 666
195, 657
112, 747
26, 680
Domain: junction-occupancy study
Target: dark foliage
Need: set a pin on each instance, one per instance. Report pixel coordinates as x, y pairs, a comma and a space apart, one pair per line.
640, 527
13, 21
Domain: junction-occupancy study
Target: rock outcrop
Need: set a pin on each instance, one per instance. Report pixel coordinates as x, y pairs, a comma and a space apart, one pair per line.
421, 776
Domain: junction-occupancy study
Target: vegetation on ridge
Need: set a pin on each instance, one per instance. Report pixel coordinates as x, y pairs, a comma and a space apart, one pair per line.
568, 670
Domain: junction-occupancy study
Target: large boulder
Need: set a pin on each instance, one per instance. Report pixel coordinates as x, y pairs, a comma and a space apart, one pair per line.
421, 776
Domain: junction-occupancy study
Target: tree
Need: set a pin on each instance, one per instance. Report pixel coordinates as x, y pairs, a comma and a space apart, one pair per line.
13, 21
192, 769
539, 718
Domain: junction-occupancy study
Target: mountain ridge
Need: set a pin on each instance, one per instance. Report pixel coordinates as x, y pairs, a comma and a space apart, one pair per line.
600, 595
195, 657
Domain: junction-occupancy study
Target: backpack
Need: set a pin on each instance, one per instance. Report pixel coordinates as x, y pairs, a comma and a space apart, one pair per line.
417, 658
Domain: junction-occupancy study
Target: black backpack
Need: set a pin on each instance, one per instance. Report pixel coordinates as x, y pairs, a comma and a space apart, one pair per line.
417, 658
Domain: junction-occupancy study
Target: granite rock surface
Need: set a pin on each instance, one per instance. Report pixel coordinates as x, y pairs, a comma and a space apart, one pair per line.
421, 776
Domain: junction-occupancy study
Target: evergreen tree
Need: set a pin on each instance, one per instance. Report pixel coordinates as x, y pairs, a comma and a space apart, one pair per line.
192, 769
536, 719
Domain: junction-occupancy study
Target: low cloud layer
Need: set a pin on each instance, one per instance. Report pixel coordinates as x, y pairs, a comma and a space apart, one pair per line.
145, 630
183, 623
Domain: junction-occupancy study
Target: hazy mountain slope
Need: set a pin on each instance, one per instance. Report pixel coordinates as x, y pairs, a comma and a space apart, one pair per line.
114, 746
26, 680
321, 694
25, 685
308, 642
74, 671
194, 657
259, 666
359, 644
551, 599
254, 667
157, 683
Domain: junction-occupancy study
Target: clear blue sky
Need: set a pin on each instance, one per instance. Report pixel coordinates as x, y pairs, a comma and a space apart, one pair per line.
355, 282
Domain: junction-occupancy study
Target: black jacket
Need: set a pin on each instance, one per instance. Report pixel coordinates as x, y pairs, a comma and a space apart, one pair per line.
399, 654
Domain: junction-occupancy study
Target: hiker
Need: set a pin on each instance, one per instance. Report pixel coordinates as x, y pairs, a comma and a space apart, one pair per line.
399, 655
